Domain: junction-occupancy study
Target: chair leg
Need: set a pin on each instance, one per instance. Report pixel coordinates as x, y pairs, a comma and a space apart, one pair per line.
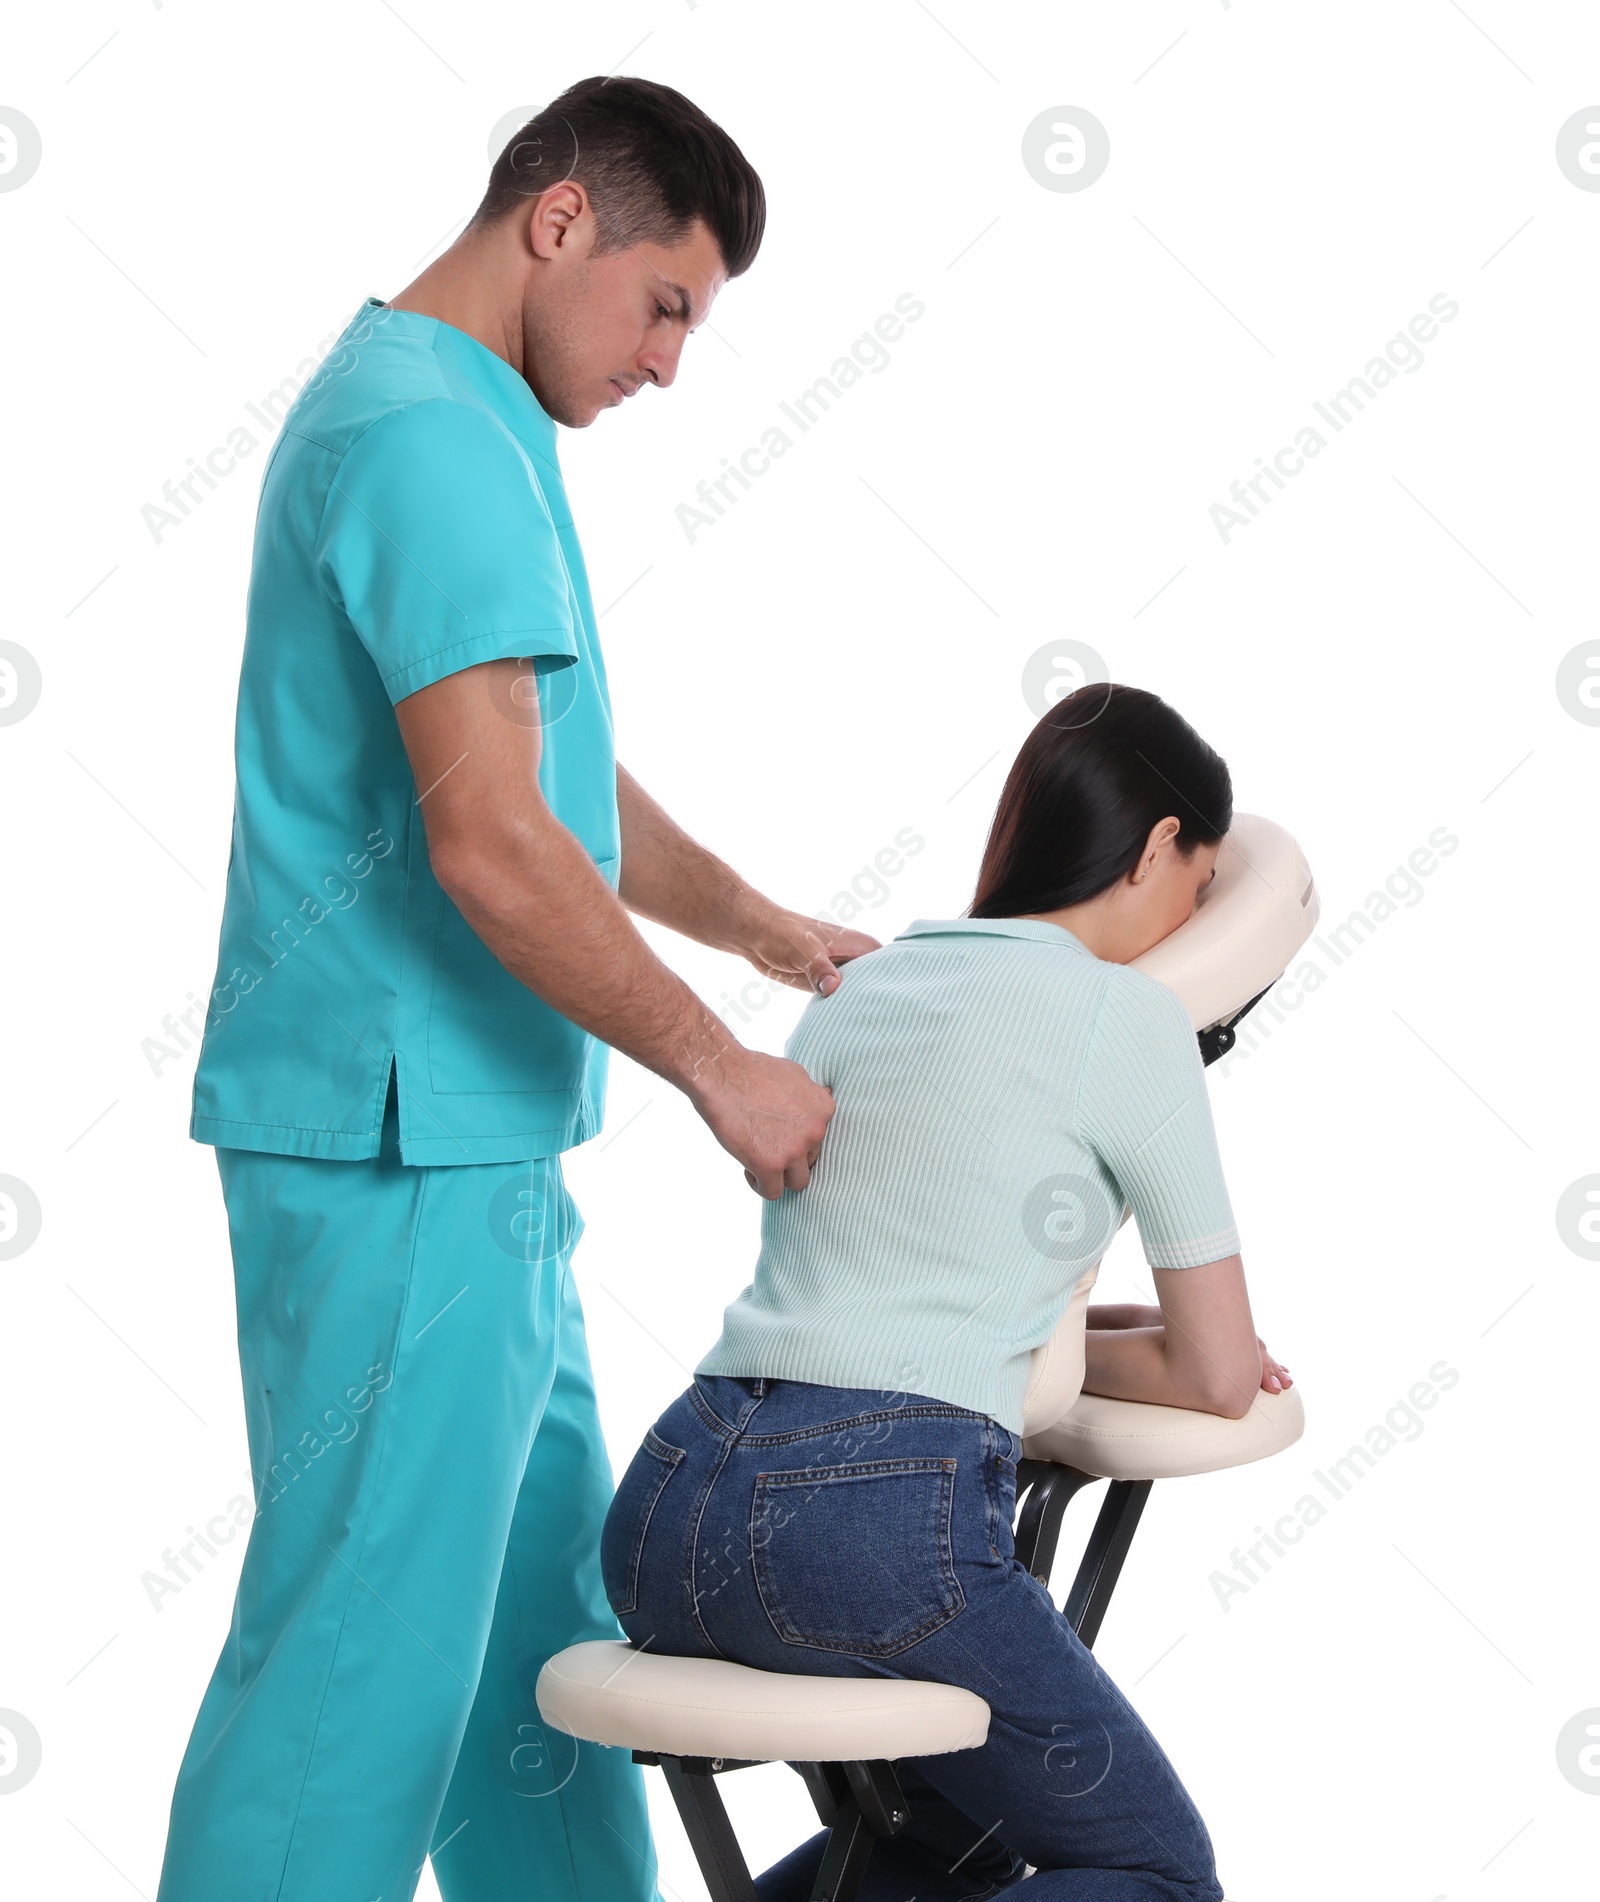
858, 1802
1050, 1489
877, 1792
828, 1788
844, 1861
1101, 1564
716, 1848
876, 1787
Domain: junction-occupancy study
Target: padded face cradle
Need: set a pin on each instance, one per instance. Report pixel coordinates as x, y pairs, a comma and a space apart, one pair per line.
1248, 923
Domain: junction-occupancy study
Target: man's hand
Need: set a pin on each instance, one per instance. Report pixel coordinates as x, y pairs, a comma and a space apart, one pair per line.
766, 1111
806, 952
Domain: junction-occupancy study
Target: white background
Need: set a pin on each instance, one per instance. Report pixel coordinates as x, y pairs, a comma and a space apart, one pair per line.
838, 658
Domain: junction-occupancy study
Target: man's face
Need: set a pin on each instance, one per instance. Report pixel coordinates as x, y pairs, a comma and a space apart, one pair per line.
597, 329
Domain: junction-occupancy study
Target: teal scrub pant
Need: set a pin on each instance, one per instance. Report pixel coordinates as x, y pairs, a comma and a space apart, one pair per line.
430, 1486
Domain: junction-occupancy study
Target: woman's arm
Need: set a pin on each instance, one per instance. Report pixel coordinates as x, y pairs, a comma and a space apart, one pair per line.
1142, 1108
1205, 1355
1121, 1314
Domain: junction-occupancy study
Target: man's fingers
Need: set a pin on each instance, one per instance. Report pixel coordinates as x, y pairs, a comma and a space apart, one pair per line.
808, 956
801, 977
795, 1175
823, 975
775, 1127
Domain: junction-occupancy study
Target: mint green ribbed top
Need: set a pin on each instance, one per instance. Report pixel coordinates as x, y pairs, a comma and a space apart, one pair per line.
1001, 1094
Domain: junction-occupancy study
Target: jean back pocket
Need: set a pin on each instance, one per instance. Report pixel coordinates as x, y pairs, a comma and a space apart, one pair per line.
628, 1520
856, 1558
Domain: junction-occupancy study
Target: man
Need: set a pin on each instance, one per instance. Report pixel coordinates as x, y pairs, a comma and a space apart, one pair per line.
425, 951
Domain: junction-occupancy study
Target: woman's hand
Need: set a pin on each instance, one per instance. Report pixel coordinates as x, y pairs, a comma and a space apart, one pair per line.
1274, 1375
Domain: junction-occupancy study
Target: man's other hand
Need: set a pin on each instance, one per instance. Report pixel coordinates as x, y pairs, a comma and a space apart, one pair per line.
767, 1112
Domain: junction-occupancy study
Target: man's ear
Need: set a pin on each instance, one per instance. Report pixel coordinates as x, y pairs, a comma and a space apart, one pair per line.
558, 217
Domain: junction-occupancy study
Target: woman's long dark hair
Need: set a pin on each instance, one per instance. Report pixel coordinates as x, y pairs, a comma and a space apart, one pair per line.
1102, 767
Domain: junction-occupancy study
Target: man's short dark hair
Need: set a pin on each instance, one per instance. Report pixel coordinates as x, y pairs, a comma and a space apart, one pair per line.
650, 160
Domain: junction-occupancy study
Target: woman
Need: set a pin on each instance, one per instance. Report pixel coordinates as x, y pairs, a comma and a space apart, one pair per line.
834, 1495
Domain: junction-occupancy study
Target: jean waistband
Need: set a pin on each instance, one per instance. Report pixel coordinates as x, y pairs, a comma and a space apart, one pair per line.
761, 1411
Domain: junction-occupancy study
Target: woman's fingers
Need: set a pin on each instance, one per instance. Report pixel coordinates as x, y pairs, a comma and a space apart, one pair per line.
1274, 1375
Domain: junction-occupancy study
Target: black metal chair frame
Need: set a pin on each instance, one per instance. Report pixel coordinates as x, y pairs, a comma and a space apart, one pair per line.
861, 1802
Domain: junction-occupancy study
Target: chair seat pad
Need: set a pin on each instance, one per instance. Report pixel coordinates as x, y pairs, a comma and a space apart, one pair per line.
1131, 1439
610, 1693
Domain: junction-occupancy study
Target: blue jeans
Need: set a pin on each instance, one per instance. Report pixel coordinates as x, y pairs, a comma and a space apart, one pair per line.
840, 1531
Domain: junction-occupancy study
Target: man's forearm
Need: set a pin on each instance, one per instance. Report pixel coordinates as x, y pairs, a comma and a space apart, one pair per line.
534, 896
671, 878
539, 904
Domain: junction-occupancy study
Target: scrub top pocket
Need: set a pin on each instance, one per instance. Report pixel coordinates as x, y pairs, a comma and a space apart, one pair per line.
856, 1558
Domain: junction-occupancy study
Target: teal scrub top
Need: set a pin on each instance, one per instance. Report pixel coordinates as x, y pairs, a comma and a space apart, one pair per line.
412, 522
